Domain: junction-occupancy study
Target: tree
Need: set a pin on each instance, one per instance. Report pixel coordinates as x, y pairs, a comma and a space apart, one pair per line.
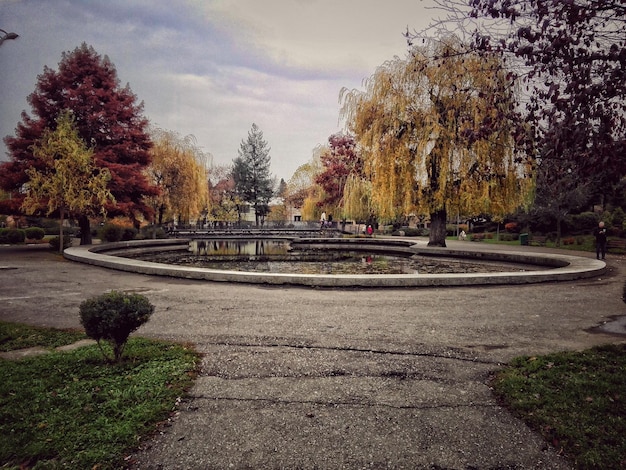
435, 136
559, 192
108, 119
178, 169
224, 201
574, 65
251, 172
357, 201
112, 317
66, 178
340, 160
282, 188
302, 190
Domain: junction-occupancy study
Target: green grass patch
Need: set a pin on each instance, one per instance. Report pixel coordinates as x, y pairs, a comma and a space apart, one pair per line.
576, 400
17, 336
73, 410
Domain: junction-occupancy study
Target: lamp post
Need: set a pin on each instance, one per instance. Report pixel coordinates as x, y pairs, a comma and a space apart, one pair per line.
6, 36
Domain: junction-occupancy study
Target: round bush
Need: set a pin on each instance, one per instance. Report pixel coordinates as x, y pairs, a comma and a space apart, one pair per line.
111, 233
54, 242
15, 235
128, 233
113, 317
35, 233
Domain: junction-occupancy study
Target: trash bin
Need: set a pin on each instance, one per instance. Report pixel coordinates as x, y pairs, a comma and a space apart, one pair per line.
523, 239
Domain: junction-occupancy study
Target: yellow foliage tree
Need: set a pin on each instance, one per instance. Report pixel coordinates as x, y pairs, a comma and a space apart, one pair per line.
67, 179
303, 192
357, 199
434, 136
179, 170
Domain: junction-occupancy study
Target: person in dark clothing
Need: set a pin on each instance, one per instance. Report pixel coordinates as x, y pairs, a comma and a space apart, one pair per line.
600, 234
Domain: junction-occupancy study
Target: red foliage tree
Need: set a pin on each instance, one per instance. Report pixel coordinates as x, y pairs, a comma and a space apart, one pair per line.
340, 161
108, 118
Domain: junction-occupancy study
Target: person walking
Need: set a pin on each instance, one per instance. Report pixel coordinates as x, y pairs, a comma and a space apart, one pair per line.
323, 220
600, 234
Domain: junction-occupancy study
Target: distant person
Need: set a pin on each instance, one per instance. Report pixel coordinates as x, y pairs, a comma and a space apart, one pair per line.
370, 230
600, 234
323, 219
462, 235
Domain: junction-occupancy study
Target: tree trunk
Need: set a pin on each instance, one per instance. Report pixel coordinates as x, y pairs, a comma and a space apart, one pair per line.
438, 228
62, 216
85, 230
161, 212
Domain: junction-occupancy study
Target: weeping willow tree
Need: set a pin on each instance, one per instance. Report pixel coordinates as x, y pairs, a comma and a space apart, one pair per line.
179, 170
357, 199
435, 134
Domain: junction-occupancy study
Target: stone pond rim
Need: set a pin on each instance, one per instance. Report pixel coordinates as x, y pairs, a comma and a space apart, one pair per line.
559, 266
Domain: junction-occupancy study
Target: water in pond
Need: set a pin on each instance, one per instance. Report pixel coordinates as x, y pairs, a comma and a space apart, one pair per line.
277, 256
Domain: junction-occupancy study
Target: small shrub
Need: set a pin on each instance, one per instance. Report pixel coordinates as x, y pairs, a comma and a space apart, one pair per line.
111, 233
569, 241
409, 232
54, 242
477, 237
152, 232
15, 235
511, 227
35, 233
129, 233
112, 317
585, 221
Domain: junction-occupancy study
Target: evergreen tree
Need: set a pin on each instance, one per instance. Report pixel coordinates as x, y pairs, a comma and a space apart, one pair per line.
108, 120
251, 173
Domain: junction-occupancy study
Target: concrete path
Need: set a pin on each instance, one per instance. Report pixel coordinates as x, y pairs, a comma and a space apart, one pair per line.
336, 378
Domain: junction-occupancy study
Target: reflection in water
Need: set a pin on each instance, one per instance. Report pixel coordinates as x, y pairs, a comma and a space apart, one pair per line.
239, 247
277, 256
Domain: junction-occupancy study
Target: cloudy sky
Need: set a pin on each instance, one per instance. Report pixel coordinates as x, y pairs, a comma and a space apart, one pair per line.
211, 68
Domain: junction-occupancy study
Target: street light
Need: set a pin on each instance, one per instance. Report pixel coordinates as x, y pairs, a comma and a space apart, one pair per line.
6, 36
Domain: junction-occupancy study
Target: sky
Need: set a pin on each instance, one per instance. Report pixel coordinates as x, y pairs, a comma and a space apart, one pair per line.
212, 68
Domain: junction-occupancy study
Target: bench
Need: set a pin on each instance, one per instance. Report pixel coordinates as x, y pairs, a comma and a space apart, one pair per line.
538, 241
616, 244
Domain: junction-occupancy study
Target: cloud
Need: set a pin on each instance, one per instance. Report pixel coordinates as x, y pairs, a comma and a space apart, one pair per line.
213, 67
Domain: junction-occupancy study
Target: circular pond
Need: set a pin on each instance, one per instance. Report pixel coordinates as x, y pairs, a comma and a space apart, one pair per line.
309, 257
490, 265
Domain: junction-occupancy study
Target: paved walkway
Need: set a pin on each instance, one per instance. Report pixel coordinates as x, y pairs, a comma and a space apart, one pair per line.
336, 378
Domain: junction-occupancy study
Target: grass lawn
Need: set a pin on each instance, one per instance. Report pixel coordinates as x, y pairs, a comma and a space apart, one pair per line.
73, 410
576, 400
